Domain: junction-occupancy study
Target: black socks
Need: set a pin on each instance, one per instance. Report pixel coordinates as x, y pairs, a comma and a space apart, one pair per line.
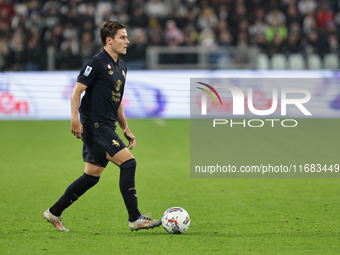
85, 182
73, 192
127, 187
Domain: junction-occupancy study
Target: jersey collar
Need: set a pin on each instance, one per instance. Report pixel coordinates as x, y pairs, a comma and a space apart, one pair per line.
108, 55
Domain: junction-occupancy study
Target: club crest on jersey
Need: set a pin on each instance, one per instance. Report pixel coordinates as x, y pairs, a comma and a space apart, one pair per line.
118, 85
88, 70
116, 143
123, 73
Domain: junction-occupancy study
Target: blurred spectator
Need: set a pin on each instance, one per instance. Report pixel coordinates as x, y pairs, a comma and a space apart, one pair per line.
6, 12
331, 29
70, 31
50, 4
294, 28
207, 19
54, 37
275, 46
36, 21
224, 38
87, 47
155, 33
223, 12
243, 26
123, 17
138, 18
69, 58
309, 22
16, 52
34, 54
4, 54
69, 18
261, 43
172, 34
305, 6
191, 18
259, 27
33, 7
292, 15
190, 36
293, 44
134, 4
207, 38
5, 31
103, 12
275, 14
222, 24
120, 6
108, 15
177, 10
135, 57
257, 14
276, 28
156, 9
333, 44
337, 19
314, 44
86, 20
52, 18
236, 16
19, 23
70, 44
324, 16
242, 40
70, 5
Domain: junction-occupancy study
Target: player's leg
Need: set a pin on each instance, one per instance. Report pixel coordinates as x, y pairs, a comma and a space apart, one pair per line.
89, 178
127, 164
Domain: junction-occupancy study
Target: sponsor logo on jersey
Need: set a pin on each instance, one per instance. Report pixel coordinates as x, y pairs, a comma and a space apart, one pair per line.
123, 73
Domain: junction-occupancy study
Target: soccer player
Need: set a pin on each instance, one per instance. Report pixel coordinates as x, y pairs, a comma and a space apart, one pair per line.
103, 79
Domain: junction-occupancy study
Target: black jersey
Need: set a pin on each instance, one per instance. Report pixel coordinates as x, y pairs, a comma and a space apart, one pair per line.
105, 81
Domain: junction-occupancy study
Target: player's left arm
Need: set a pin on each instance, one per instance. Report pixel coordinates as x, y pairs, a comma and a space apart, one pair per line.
124, 126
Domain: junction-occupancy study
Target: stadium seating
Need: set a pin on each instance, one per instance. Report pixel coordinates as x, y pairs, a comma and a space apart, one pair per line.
296, 62
314, 62
278, 61
262, 62
331, 61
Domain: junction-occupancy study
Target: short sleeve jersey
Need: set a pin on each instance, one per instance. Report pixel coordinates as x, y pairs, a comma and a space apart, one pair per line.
105, 81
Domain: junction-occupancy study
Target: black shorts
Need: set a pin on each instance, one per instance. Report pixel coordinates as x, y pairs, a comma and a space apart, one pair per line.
96, 144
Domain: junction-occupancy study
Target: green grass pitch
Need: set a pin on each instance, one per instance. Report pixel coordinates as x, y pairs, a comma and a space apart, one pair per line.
38, 160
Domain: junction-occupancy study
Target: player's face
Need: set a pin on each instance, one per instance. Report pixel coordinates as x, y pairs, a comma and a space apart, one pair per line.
120, 42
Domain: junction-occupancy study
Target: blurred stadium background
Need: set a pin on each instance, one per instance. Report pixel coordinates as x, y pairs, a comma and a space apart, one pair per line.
170, 42
166, 34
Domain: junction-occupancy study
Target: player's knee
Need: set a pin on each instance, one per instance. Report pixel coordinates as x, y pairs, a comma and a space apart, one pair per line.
93, 169
128, 164
91, 179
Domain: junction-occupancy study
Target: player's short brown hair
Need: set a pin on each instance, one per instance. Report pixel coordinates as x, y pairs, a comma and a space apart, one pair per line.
109, 29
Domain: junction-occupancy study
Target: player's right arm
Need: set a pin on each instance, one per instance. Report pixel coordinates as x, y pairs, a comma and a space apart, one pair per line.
76, 126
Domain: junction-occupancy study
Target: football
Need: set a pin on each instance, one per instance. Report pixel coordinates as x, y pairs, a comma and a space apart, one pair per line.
176, 220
